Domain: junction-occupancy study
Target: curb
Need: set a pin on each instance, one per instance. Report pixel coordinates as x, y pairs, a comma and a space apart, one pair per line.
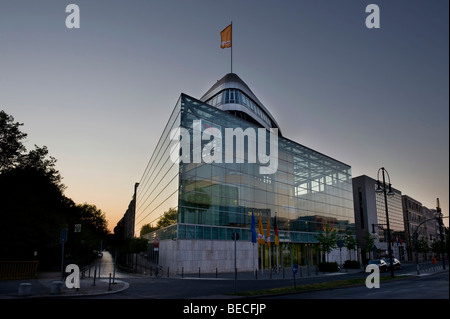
75, 294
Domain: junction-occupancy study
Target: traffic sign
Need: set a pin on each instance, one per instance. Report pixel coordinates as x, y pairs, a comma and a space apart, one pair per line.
235, 236
295, 268
63, 236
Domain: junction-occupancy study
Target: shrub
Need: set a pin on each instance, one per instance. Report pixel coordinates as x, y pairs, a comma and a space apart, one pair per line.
328, 267
352, 264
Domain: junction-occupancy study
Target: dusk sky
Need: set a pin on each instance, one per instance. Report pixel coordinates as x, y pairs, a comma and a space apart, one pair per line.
100, 96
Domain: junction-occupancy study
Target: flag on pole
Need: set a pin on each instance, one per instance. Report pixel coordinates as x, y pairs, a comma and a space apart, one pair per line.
268, 231
225, 36
275, 229
253, 229
260, 232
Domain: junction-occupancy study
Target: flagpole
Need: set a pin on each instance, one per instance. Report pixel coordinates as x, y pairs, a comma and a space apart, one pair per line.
276, 230
231, 46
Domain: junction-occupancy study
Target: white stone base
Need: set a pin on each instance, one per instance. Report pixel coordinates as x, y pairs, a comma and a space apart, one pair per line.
188, 255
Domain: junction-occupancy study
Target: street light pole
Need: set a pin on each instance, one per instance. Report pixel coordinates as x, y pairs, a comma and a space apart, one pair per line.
387, 214
439, 217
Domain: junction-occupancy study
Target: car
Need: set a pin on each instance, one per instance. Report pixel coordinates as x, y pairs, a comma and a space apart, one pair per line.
397, 264
381, 263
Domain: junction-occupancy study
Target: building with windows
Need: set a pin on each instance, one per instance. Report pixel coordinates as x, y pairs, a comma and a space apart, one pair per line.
370, 219
421, 228
222, 160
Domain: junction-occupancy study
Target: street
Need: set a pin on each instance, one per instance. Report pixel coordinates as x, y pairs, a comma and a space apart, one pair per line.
429, 285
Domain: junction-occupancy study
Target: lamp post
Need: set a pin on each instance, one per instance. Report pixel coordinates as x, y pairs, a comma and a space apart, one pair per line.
380, 190
439, 218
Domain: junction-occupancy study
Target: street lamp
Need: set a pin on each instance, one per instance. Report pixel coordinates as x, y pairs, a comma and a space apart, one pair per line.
438, 216
382, 189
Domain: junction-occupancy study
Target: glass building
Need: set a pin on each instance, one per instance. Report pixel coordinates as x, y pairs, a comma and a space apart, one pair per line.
212, 199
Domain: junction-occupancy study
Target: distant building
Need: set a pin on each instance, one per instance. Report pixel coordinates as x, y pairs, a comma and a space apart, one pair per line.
419, 220
370, 218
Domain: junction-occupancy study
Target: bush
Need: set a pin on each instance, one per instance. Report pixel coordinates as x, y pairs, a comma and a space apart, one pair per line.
352, 264
328, 267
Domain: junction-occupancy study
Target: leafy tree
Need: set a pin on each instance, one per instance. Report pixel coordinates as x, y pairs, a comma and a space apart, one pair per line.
39, 161
147, 228
168, 218
328, 239
11, 137
423, 247
137, 245
33, 207
350, 243
370, 243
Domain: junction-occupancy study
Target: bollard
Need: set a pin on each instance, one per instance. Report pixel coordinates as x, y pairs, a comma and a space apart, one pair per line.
24, 289
56, 286
95, 275
256, 273
182, 272
216, 272
167, 272
109, 285
198, 272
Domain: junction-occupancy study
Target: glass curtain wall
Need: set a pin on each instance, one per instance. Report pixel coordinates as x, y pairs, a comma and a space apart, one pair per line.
157, 192
308, 191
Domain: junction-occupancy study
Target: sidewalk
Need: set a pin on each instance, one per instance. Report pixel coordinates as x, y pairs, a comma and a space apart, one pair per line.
41, 287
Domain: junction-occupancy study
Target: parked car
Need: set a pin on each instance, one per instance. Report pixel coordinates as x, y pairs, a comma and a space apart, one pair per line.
381, 263
395, 261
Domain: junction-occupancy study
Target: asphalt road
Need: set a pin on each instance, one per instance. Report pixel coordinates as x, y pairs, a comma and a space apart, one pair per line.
426, 286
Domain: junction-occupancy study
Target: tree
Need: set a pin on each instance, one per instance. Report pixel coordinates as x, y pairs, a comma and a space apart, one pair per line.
350, 243
39, 160
11, 147
328, 239
423, 247
147, 228
33, 207
370, 243
168, 218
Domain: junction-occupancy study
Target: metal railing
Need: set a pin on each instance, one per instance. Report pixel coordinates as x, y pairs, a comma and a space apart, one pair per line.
17, 269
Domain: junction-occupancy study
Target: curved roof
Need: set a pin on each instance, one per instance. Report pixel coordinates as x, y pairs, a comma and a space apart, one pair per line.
233, 81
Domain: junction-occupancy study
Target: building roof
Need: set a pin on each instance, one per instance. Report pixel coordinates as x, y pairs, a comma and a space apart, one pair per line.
233, 81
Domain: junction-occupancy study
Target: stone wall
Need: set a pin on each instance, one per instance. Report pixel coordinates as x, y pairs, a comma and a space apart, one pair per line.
188, 255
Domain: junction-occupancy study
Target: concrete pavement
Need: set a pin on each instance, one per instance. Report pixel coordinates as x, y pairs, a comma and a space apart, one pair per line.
45, 284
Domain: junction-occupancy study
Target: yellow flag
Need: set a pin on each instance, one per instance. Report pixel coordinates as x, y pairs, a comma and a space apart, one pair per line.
225, 36
260, 232
268, 231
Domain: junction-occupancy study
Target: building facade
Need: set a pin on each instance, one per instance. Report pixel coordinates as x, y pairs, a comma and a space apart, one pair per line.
421, 228
222, 161
370, 219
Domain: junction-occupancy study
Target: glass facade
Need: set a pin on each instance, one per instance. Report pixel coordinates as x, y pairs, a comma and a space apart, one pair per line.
215, 199
158, 188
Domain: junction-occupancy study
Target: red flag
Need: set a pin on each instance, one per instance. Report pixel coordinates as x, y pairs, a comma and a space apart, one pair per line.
277, 241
